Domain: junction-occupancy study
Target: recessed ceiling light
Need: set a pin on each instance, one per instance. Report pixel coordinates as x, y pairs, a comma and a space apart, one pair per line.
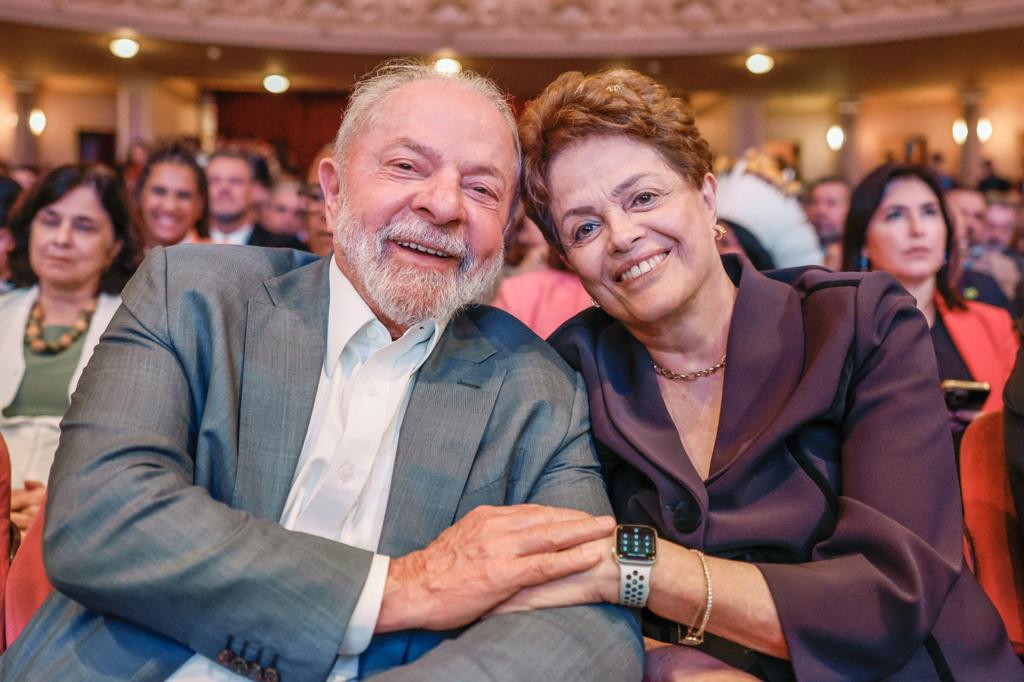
125, 48
759, 63
276, 83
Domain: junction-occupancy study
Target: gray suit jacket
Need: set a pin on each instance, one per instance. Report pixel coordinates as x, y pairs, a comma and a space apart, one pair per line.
178, 453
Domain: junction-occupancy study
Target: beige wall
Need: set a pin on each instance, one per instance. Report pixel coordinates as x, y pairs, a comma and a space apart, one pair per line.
7, 120
67, 114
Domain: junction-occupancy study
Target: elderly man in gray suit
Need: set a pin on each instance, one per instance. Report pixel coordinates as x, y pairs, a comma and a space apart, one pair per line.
279, 467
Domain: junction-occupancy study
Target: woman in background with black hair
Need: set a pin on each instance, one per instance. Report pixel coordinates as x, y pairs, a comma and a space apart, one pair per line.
74, 250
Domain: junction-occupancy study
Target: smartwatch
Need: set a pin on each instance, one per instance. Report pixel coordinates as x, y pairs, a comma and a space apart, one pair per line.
636, 550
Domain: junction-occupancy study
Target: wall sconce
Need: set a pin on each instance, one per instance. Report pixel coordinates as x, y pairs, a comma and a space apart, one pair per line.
960, 131
759, 63
37, 122
448, 66
835, 137
984, 129
125, 48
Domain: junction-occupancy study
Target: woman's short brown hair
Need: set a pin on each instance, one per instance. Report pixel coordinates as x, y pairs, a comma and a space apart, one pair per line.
576, 107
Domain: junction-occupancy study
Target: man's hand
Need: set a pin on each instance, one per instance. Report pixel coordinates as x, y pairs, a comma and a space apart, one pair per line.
599, 583
485, 558
25, 503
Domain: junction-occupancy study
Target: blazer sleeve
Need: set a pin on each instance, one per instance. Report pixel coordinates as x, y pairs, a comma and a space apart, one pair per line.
1013, 424
875, 587
584, 643
127, 534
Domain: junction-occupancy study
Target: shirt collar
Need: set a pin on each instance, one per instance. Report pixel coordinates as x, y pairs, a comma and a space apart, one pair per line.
348, 315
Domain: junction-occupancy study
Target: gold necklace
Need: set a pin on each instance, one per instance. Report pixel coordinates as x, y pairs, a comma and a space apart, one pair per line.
34, 331
689, 376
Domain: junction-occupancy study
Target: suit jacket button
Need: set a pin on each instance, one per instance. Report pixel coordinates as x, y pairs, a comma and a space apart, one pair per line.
255, 672
686, 515
240, 666
226, 657
271, 675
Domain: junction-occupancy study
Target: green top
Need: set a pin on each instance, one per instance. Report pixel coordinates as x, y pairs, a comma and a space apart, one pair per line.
44, 388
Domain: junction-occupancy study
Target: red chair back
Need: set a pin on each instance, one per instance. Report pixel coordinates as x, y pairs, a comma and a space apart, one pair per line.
5, 525
994, 546
27, 584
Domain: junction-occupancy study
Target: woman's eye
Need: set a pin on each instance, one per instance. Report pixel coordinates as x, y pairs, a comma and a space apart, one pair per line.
930, 210
480, 189
894, 214
585, 230
643, 198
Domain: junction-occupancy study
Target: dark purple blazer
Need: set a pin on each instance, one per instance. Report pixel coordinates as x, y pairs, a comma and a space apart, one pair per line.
832, 471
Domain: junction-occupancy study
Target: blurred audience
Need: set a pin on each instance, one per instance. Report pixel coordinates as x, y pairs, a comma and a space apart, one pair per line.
171, 197
26, 175
827, 201
992, 181
138, 154
75, 247
233, 188
1013, 425
9, 192
899, 224
738, 239
967, 212
285, 211
319, 233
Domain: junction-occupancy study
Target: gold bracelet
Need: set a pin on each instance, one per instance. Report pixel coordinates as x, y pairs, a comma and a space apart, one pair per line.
695, 633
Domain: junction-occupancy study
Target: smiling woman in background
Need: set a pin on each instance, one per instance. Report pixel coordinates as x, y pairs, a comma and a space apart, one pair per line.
74, 250
171, 197
782, 435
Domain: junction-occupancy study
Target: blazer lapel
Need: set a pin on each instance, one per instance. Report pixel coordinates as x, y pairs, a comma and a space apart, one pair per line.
285, 337
451, 403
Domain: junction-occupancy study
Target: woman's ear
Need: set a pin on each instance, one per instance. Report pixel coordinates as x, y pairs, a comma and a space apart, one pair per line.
709, 194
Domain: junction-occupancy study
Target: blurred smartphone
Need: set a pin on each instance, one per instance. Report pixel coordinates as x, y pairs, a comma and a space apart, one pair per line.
964, 395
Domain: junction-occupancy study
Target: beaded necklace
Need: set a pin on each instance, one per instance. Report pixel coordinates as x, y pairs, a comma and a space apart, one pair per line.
34, 331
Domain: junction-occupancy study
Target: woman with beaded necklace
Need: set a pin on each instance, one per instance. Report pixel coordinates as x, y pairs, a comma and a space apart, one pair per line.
74, 250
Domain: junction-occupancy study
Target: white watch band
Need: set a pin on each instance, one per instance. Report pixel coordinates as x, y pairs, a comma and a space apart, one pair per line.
634, 584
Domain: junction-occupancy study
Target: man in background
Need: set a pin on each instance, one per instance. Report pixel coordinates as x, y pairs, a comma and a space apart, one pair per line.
232, 216
827, 202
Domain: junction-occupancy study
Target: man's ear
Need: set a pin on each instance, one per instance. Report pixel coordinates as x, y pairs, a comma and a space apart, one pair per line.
330, 183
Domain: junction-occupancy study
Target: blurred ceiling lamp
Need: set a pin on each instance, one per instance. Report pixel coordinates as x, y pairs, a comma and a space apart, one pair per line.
984, 129
37, 122
960, 131
448, 66
759, 62
835, 137
125, 48
276, 83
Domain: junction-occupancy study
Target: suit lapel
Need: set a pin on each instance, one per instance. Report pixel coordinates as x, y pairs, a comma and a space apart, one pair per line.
448, 411
285, 337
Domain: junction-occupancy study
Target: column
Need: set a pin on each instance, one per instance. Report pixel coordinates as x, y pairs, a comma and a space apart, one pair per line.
970, 152
848, 162
747, 123
134, 114
26, 146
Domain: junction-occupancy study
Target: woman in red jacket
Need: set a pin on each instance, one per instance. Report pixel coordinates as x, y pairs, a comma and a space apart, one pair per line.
898, 223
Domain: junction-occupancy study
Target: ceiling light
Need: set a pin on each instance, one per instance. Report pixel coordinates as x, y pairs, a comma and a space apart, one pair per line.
984, 129
125, 48
960, 131
835, 137
759, 63
448, 66
37, 122
276, 83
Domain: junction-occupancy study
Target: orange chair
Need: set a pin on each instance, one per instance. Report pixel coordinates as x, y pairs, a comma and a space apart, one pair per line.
27, 584
994, 546
5, 525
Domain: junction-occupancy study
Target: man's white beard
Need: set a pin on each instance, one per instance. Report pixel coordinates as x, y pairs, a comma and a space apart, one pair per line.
406, 294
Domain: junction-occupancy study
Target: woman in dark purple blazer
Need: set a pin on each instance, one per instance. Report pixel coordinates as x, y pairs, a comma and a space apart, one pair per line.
783, 433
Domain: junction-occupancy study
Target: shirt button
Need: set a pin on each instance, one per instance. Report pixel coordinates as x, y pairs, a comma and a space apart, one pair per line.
346, 472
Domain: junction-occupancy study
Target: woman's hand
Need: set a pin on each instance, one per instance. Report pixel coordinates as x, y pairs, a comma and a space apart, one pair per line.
595, 585
671, 662
25, 503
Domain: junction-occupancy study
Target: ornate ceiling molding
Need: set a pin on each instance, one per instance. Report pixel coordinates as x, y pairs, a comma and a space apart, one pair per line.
549, 28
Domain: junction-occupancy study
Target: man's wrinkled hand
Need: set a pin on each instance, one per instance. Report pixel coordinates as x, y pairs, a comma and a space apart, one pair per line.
485, 558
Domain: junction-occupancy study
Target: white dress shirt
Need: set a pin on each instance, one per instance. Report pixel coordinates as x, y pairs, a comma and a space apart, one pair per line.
343, 477
239, 236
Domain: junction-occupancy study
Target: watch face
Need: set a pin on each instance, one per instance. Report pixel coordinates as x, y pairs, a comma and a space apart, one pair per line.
635, 543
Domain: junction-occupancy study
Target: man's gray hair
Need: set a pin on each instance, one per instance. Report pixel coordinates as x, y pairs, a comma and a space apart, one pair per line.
366, 97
